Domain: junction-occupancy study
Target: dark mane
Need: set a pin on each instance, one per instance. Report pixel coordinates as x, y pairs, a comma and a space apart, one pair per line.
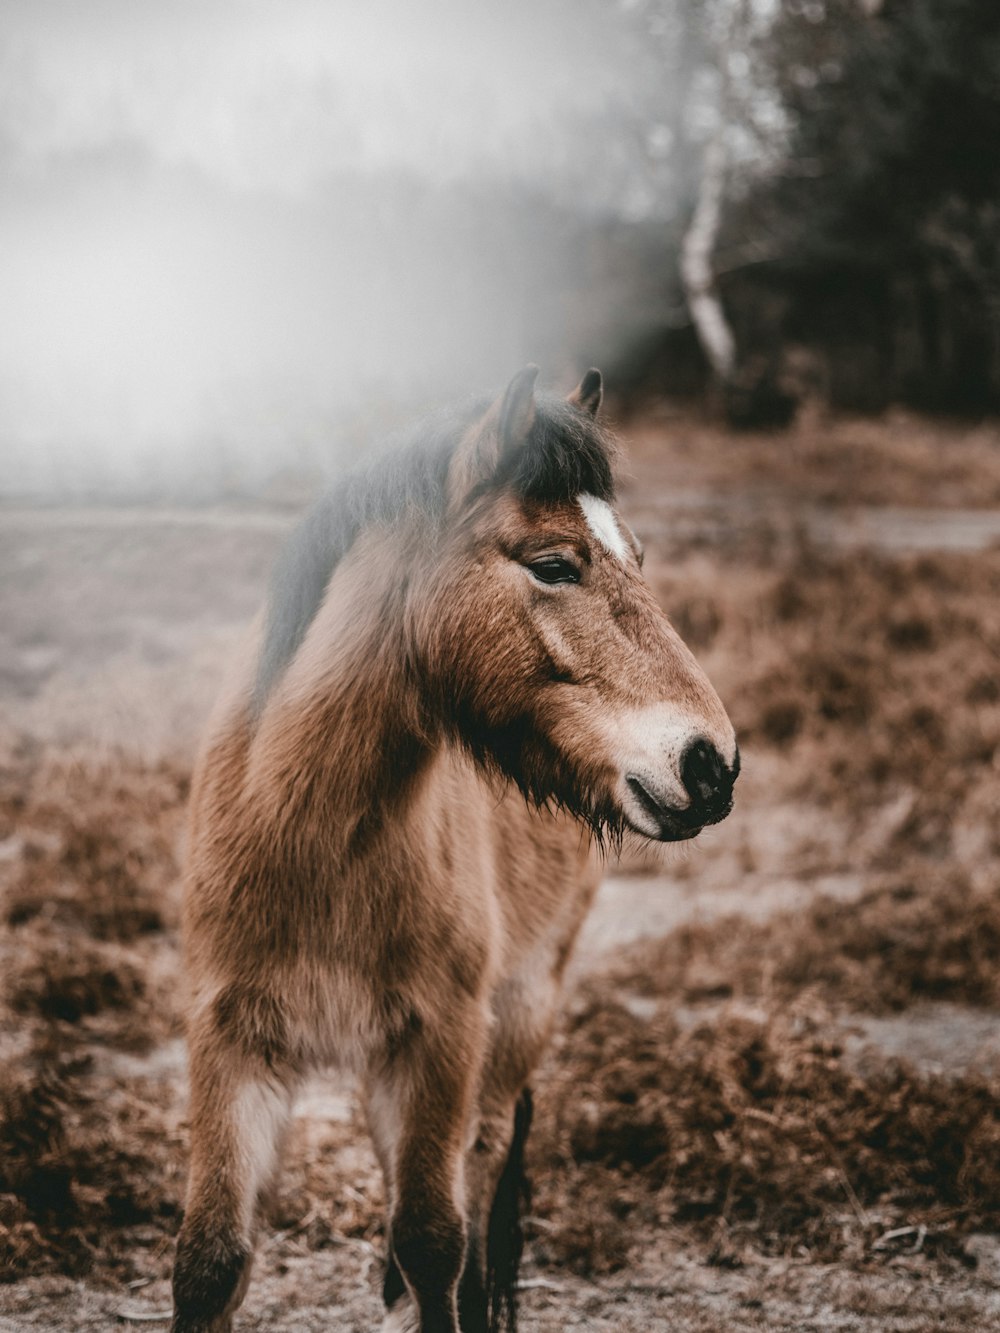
566, 453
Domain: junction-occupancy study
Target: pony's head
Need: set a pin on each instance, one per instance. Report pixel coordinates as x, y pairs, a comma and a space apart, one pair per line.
539, 642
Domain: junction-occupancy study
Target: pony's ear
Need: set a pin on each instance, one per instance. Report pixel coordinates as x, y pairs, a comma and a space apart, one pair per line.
589, 392
517, 409
504, 428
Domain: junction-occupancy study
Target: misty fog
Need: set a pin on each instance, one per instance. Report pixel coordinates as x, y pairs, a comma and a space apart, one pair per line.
233, 237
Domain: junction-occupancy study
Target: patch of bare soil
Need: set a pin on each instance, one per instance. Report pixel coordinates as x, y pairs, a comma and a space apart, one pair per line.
733, 1127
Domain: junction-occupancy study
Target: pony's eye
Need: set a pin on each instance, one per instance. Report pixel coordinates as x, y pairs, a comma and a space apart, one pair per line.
553, 569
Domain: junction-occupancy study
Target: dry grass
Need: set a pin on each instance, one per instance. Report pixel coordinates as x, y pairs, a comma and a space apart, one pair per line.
897, 459
760, 1134
917, 936
752, 1122
94, 843
861, 669
88, 1169
88, 1162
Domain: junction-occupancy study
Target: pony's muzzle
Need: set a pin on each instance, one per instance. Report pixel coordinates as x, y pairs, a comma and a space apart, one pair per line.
708, 782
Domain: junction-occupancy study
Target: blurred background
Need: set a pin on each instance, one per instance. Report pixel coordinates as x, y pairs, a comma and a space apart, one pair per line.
233, 232
239, 244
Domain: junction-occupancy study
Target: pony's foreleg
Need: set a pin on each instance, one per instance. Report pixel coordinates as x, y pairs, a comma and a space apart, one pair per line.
421, 1104
238, 1112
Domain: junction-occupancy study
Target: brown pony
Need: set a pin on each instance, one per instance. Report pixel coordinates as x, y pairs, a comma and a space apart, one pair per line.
463, 687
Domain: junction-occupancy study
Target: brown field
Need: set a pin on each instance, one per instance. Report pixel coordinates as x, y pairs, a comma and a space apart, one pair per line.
774, 1101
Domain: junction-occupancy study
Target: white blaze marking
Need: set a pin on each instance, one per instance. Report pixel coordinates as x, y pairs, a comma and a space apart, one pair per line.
601, 522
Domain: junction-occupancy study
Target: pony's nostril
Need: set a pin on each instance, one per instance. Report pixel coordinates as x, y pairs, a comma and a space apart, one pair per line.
706, 779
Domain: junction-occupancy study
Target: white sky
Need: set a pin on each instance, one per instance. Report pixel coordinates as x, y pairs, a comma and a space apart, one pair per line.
271, 96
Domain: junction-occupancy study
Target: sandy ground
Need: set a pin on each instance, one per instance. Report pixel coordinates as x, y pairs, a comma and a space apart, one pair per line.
115, 625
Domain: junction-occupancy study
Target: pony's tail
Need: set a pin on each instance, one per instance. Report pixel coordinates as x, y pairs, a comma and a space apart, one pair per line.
505, 1239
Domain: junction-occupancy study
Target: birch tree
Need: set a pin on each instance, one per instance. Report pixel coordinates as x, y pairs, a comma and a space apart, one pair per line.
697, 272
729, 37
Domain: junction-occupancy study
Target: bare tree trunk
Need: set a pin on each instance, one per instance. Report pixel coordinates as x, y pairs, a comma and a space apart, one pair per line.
697, 275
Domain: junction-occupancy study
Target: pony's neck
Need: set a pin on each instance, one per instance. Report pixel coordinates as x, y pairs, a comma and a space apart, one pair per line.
343, 740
